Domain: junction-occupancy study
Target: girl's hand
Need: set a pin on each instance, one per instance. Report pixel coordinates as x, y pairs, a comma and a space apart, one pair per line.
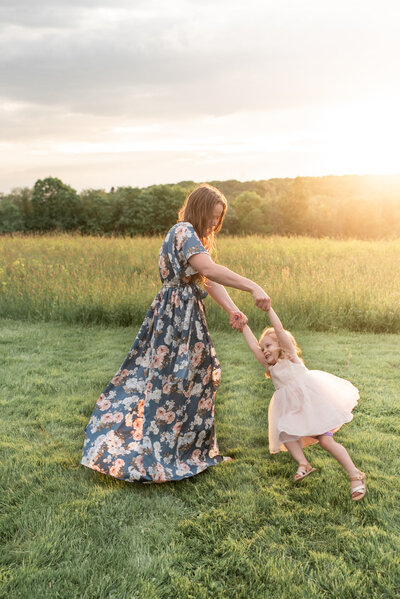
237, 320
261, 299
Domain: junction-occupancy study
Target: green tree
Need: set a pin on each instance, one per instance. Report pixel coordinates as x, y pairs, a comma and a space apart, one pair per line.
96, 212
245, 214
11, 217
22, 198
130, 217
55, 205
294, 209
159, 206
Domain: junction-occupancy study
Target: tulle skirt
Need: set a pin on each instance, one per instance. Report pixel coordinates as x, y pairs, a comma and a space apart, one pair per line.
312, 404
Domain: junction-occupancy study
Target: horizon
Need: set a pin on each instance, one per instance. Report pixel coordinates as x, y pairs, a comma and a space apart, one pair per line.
387, 177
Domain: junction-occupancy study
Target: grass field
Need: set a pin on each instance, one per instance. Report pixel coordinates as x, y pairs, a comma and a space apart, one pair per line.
241, 530
318, 284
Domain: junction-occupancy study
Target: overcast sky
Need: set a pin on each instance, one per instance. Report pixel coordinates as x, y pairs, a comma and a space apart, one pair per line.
102, 93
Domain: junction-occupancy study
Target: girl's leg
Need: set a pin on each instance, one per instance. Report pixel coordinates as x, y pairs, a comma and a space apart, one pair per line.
341, 455
295, 448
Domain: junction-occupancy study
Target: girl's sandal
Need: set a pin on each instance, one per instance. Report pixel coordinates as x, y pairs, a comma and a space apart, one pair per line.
302, 471
360, 489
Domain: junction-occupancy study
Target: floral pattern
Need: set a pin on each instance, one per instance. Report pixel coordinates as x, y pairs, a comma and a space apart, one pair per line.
155, 419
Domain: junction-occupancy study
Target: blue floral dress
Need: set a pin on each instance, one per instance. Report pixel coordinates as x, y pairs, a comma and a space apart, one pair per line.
155, 420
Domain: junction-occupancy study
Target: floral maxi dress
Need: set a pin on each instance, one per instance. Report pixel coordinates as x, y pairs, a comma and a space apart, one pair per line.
155, 419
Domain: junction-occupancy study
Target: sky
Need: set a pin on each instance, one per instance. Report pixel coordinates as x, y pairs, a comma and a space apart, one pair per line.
139, 92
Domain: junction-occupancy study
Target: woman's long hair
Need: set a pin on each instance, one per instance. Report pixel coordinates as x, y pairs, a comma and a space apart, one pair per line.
198, 209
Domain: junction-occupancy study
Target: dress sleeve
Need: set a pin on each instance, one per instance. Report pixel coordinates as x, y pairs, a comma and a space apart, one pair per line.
188, 242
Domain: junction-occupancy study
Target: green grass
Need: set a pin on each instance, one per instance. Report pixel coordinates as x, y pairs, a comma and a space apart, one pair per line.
239, 530
319, 284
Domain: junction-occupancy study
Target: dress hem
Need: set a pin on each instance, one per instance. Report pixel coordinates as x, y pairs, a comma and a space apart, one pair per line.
310, 439
154, 482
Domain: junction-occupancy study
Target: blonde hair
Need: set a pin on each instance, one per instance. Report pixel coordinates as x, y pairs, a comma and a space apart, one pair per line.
198, 208
282, 353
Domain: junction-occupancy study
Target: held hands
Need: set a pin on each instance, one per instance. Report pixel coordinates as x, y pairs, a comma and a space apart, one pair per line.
237, 320
261, 299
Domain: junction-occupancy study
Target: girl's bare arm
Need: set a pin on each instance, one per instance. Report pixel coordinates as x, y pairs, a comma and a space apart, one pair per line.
222, 297
283, 338
253, 345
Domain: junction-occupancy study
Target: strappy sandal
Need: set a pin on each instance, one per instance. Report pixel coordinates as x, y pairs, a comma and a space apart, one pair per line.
302, 471
362, 488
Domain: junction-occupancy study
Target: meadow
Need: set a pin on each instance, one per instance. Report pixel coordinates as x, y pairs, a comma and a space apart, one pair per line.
240, 530
318, 284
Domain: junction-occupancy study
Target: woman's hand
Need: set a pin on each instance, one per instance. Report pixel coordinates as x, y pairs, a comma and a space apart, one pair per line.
237, 320
261, 299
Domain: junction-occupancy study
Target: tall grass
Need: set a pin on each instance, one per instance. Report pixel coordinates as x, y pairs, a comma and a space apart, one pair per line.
320, 284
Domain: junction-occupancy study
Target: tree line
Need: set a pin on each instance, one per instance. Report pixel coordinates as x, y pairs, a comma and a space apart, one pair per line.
364, 207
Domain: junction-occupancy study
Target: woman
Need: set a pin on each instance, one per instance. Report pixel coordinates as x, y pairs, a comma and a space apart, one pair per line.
154, 422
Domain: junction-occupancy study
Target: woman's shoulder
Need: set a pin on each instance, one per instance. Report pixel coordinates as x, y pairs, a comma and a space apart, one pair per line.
180, 234
181, 227
184, 226
178, 228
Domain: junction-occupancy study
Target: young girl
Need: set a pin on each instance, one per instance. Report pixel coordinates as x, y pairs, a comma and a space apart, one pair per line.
308, 406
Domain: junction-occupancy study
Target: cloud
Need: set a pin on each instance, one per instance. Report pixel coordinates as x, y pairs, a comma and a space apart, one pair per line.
150, 60
52, 13
81, 75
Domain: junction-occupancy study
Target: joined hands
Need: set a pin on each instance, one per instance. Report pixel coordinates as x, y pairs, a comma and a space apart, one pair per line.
238, 320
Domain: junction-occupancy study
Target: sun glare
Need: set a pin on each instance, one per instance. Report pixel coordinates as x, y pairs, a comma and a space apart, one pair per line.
363, 138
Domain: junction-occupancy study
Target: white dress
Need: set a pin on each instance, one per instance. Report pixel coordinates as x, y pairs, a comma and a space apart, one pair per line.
306, 403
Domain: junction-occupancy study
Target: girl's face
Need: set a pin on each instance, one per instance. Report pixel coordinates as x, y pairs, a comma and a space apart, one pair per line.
214, 219
270, 348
